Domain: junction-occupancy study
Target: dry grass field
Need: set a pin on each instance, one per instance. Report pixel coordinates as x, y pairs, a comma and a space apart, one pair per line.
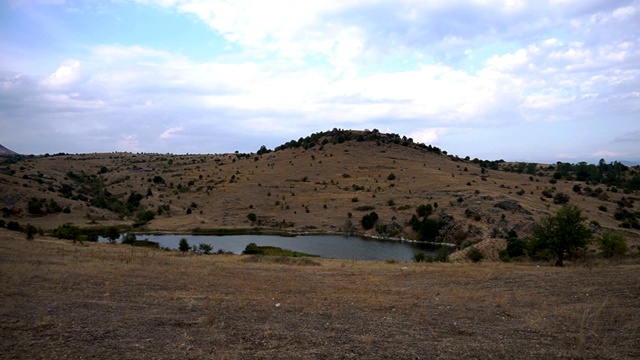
63, 300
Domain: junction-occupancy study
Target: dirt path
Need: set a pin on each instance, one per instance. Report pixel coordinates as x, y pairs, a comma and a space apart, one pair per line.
59, 300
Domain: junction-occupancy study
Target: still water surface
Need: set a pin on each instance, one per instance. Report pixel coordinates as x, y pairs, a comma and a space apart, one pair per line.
328, 246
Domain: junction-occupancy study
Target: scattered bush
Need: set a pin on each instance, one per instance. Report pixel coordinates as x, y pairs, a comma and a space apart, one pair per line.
252, 217
204, 249
129, 239
14, 226
364, 208
30, 231
424, 210
561, 198
68, 231
112, 234
420, 256
442, 255
369, 220
474, 254
183, 245
612, 244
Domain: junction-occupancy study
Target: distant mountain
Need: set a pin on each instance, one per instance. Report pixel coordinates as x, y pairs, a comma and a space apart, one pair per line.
4, 151
630, 163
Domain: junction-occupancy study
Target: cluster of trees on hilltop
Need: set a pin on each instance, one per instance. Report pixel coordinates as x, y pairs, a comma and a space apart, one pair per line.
612, 174
339, 136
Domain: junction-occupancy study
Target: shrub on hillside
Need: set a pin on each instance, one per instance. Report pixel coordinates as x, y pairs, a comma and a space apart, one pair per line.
369, 220
183, 245
561, 198
612, 244
474, 254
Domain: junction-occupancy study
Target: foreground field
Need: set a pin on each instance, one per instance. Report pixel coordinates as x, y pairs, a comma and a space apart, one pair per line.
65, 300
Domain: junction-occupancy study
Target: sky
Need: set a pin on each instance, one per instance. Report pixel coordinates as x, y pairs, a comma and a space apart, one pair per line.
537, 81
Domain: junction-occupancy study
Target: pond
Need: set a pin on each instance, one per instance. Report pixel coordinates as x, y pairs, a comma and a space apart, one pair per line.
328, 246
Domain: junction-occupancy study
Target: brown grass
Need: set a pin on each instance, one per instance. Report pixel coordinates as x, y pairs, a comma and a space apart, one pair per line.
60, 300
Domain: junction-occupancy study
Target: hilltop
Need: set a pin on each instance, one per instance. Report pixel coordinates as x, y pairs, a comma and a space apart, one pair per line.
4, 151
326, 183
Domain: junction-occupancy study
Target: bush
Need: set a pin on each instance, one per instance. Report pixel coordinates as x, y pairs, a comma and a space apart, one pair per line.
30, 231
364, 208
382, 228
67, 231
144, 217
205, 249
129, 239
112, 234
612, 244
561, 198
424, 210
420, 257
391, 176
515, 247
183, 245
14, 226
252, 249
34, 206
474, 254
252, 217
369, 220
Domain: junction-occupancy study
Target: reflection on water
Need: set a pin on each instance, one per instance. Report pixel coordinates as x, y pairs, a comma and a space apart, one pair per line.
329, 246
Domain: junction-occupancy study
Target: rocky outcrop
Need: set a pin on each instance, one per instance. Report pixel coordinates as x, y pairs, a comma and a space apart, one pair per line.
513, 206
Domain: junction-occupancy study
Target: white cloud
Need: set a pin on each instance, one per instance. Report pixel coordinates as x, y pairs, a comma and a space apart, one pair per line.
428, 136
171, 132
116, 52
300, 66
608, 154
65, 75
129, 143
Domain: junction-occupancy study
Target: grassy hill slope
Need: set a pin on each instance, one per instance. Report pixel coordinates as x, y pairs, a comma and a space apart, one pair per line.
324, 183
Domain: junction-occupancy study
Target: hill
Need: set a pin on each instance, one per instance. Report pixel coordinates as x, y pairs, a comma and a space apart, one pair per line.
326, 182
4, 151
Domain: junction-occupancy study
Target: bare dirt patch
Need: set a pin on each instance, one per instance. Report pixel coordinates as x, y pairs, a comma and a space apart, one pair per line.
60, 300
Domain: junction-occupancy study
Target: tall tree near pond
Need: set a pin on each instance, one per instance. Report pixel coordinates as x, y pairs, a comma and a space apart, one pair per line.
562, 233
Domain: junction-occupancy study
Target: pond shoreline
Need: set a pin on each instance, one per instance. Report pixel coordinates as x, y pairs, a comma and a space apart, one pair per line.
284, 233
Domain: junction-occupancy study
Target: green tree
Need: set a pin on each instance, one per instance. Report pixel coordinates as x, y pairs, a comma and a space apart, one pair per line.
561, 198
612, 244
183, 245
129, 238
205, 249
112, 234
14, 226
252, 217
34, 206
30, 231
369, 220
562, 233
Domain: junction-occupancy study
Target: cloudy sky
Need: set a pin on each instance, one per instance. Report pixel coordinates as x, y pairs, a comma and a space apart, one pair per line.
546, 81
